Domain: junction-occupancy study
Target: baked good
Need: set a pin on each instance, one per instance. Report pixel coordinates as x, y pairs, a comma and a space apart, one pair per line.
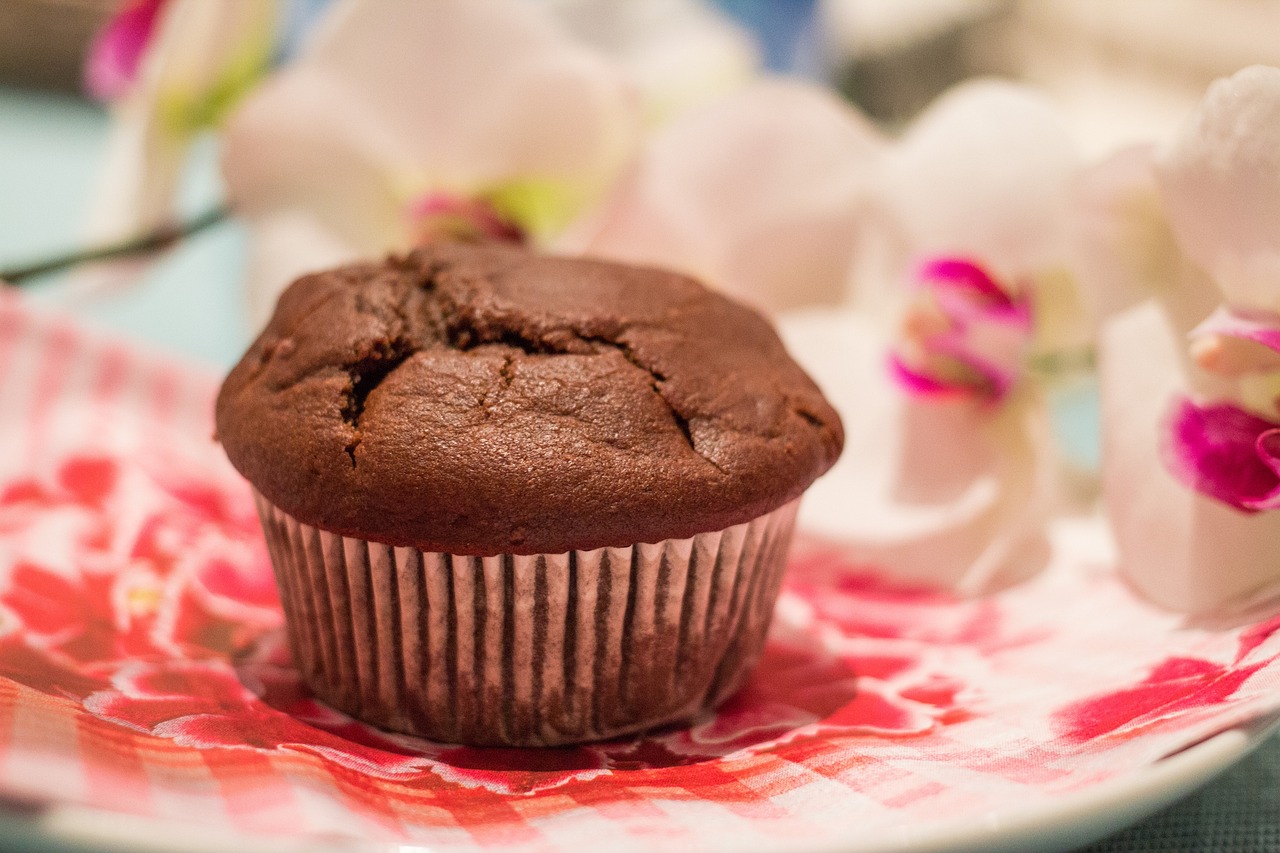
521, 499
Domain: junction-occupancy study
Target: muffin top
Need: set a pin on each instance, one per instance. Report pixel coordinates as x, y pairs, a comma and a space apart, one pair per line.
482, 399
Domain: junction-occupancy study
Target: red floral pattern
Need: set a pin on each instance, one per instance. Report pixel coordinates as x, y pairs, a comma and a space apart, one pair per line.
106, 563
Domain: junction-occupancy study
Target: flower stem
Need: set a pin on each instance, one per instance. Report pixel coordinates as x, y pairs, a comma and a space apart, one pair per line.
143, 244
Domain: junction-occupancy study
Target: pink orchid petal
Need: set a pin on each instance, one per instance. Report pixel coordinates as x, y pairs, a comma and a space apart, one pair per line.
981, 380
1182, 549
984, 173
479, 92
966, 310
987, 332
995, 379
759, 193
1268, 449
1263, 330
1220, 179
961, 274
1214, 449
944, 492
923, 384
117, 50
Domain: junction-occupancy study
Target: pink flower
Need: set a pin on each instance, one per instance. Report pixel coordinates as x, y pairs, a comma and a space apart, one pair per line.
397, 122
442, 214
1227, 450
118, 49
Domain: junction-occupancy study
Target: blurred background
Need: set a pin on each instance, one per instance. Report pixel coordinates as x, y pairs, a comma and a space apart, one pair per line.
1121, 71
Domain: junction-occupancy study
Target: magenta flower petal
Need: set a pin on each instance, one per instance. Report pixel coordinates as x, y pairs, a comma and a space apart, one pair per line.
117, 50
921, 384
961, 273
967, 292
973, 337
1261, 329
1226, 453
1268, 447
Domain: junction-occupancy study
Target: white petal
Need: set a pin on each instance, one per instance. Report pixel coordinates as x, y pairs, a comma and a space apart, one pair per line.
984, 173
950, 494
1124, 250
482, 91
1182, 550
282, 246
679, 53
1221, 183
306, 140
759, 193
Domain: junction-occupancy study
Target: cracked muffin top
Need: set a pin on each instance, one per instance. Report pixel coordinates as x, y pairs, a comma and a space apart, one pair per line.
482, 399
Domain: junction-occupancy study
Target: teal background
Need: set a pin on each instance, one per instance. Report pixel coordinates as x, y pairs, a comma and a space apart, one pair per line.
190, 300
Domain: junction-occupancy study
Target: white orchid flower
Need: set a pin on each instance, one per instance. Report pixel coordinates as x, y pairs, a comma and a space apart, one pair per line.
1191, 411
949, 477
945, 492
511, 129
402, 121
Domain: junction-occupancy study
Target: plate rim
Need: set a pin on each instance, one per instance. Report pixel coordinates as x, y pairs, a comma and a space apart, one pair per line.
1060, 824
1081, 817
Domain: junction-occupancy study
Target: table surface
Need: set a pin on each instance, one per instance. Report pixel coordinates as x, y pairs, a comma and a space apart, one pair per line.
190, 302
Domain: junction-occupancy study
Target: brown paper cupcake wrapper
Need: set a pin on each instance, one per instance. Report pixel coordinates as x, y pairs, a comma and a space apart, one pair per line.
527, 650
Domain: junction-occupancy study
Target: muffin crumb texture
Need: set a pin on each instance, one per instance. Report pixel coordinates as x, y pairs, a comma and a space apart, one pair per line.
480, 399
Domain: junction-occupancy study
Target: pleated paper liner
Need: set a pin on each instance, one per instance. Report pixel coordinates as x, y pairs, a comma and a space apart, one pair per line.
534, 650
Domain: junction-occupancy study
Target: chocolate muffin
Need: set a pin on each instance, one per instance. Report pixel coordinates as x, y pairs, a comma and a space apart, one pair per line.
519, 499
